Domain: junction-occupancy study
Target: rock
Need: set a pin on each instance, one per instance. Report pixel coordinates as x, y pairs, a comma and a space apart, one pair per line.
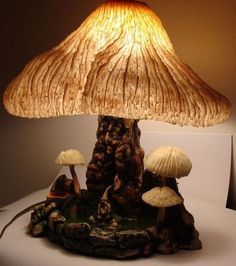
77, 230
100, 238
55, 218
117, 253
165, 248
35, 219
194, 244
82, 246
166, 244
127, 254
60, 219
152, 231
39, 229
50, 208
51, 219
132, 238
147, 250
59, 228
53, 236
38, 214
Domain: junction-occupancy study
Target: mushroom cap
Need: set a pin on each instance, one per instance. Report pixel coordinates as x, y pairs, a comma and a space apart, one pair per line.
162, 197
168, 161
70, 157
119, 62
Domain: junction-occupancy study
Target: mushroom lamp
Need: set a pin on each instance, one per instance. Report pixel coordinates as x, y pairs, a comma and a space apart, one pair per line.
120, 65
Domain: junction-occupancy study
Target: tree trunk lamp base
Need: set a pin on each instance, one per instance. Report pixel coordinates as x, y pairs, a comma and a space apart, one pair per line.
117, 160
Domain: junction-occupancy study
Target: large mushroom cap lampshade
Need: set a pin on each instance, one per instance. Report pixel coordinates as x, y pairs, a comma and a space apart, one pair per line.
119, 62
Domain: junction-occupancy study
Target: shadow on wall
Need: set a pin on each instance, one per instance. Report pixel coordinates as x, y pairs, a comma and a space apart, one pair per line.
231, 202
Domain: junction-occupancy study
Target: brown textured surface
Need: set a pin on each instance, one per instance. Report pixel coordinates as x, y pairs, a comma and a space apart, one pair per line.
120, 62
117, 160
101, 169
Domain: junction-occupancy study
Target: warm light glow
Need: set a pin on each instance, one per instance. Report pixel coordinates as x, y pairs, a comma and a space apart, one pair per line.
120, 62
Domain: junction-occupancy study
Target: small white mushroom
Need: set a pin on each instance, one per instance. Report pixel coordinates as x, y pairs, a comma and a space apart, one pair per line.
71, 158
161, 197
168, 162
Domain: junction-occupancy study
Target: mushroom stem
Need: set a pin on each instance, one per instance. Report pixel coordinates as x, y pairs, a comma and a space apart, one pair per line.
75, 181
160, 217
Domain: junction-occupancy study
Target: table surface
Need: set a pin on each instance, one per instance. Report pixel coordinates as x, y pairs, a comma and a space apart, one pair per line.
215, 224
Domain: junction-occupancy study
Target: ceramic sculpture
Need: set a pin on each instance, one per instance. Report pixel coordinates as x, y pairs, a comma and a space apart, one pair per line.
119, 64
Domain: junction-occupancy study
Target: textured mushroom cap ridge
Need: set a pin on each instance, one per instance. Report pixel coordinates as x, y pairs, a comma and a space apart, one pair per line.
70, 157
162, 197
168, 161
119, 62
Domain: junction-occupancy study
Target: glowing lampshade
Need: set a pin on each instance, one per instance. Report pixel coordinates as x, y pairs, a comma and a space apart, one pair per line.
119, 62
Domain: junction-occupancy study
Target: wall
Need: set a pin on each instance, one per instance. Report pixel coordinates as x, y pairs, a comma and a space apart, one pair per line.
204, 36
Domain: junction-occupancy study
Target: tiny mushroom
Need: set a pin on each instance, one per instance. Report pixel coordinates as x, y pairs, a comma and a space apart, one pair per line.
161, 197
71, 158
168, 162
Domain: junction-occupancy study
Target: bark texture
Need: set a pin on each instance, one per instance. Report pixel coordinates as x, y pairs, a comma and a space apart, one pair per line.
117, 160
